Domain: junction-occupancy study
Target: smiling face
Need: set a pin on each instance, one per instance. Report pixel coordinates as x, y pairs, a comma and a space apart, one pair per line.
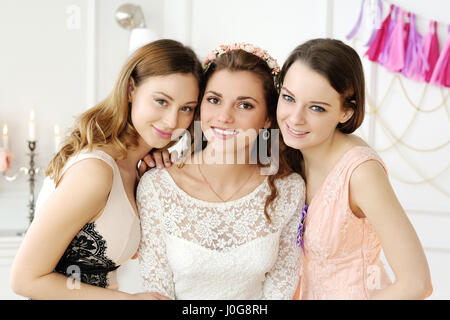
309, 108
233, 108
162, 104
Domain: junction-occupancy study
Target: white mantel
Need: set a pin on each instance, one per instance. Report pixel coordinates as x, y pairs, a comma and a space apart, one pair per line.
9, 244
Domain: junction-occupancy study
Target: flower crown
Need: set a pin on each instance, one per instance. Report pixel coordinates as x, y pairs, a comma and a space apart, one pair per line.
271, 62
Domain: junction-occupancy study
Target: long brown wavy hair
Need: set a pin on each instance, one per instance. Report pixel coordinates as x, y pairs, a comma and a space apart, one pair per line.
289, 159
109, 122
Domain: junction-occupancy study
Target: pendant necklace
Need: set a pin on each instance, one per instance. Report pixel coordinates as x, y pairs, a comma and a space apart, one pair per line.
212, 189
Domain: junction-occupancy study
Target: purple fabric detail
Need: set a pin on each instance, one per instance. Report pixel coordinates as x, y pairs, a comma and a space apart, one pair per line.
406, 27
358, 22
414, 57
301, 229
372, 37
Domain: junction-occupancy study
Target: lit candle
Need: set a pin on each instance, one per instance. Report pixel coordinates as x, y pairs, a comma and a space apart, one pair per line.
5, 137
57, 138
31, 127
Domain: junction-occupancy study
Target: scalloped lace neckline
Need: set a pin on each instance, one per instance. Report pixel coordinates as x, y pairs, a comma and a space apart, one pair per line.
211, 203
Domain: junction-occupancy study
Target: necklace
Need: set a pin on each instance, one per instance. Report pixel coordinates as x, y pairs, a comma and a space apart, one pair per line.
212, 189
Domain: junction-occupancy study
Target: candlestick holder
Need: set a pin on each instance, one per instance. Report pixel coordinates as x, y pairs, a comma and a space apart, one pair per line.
31, 171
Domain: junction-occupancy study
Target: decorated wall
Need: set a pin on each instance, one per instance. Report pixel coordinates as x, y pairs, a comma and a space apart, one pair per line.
61, 57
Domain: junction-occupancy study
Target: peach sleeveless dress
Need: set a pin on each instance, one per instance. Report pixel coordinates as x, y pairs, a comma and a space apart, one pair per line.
341, 257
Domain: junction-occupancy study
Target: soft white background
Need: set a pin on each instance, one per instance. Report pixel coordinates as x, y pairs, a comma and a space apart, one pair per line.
62, 72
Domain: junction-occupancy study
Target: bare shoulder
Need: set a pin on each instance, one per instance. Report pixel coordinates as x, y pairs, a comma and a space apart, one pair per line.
369, 182
369, 171
90, 173
370, 188
81, 195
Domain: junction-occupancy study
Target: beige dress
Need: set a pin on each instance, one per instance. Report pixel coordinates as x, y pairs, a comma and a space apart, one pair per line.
101, 246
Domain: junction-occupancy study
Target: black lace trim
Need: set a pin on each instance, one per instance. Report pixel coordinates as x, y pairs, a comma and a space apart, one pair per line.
85, 258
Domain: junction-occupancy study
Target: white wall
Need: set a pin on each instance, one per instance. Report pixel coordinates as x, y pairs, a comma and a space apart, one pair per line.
60, 73
42, 65
112, 40
57, 71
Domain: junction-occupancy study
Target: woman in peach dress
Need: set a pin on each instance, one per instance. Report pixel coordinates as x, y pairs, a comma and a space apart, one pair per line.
353, 212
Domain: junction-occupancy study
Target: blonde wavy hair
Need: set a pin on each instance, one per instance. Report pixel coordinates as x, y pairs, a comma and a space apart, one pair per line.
109, 122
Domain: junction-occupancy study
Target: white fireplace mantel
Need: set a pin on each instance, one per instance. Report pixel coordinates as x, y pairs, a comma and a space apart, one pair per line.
10, 241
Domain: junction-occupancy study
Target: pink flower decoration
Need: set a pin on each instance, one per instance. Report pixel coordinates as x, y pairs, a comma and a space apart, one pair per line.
211, 56
249, 48
259, 52
5, 160
271, 62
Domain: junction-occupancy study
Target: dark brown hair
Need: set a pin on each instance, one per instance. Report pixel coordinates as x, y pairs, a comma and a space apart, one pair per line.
341, 65
109, 122
241, 60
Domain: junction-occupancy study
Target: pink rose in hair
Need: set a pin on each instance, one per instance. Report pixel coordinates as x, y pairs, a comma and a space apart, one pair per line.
5, 160
272, 64
249, 48
211, 56
259, 52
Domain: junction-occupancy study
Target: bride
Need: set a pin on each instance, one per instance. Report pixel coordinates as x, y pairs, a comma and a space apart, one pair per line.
225, 231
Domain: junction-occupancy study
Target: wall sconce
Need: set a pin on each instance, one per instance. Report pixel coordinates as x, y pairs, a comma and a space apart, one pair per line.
130, 17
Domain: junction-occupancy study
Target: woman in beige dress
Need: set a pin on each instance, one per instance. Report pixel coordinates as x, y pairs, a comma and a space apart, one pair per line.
87, 224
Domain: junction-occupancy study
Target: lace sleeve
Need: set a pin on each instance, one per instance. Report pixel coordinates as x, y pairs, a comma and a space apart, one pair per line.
282, 280
153, 263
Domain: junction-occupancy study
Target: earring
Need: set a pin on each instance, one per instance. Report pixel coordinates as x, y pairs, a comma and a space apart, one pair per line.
266, 134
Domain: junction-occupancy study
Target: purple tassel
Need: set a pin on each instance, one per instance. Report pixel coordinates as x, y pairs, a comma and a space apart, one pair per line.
414, 56
301, 229
377, 23
384, 53
358, 22
396, 54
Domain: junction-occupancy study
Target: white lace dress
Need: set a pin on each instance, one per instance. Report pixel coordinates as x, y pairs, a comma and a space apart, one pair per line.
194, 249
